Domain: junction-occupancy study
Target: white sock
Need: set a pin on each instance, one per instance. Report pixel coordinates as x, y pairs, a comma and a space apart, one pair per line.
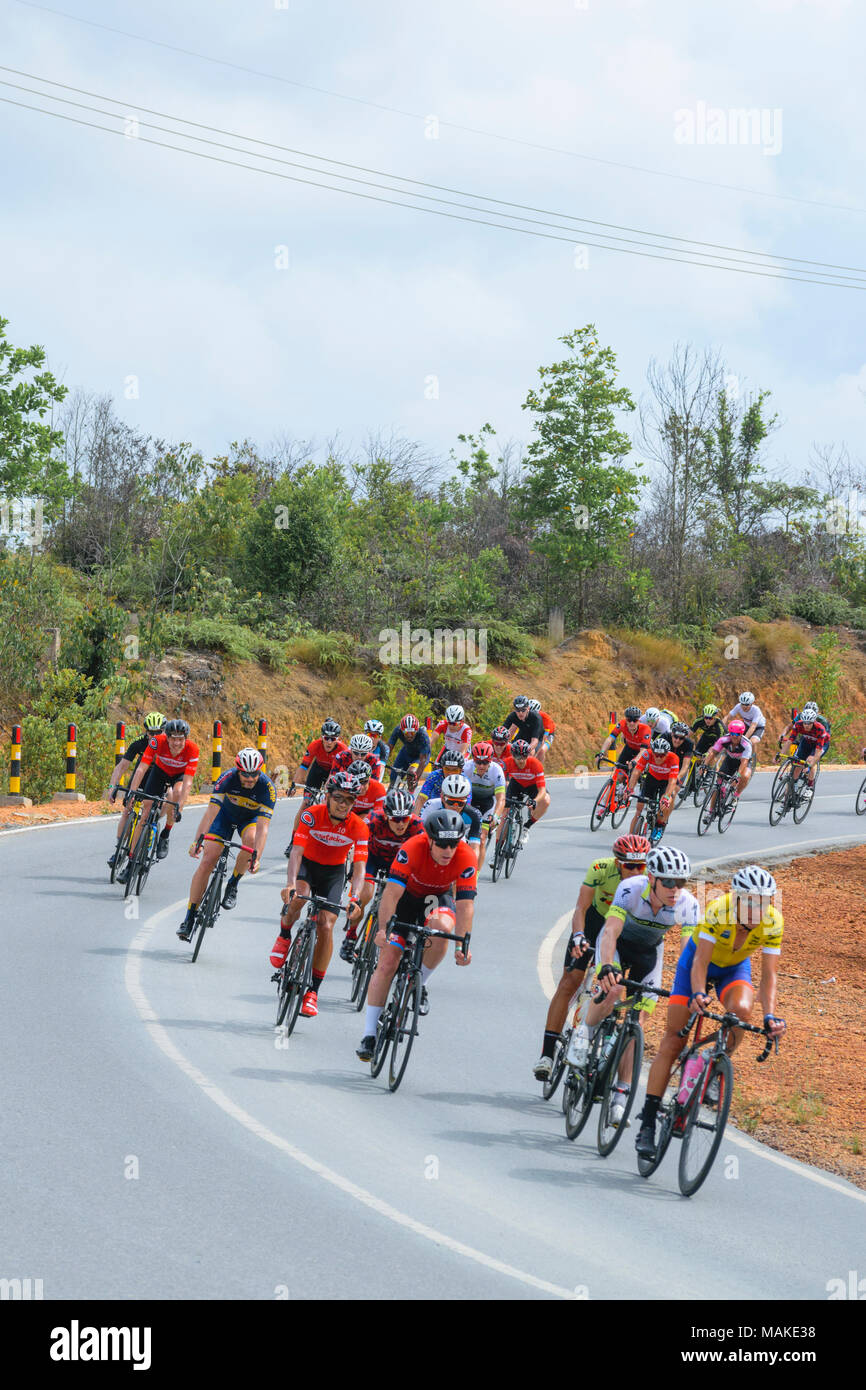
373, 1014
426, 972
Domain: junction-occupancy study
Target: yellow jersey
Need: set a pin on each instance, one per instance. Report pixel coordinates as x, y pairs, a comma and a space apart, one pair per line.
719, 925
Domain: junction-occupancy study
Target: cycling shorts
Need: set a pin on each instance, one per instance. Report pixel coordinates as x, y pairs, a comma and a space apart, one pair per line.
651, 788
626, 756
730, 767
638, 963
325, 880
156, 782
416, 911
376, 864
225, 823
722, 977
806, 747
317, 776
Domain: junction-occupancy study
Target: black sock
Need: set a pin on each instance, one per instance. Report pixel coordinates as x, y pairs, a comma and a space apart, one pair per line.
650, 1109
317, 981
549, 1044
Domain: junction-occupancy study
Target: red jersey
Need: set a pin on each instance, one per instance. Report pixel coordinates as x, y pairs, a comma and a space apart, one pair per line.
343, 760
415, 869
326, 841
660, 765
549, 726
318, 752
501, 758
532, 774
817, 733
371, 799
639, 739
384, 844
460, 741
157, 751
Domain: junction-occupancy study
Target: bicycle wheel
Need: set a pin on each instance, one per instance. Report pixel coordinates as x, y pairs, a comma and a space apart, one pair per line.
802, 803
299, 967
779, 803
282, 996
383, 1028
404, 1030
498, 857
512, 844
206, 914
609, 1134
699, 785
146, 861
705, 1125
727, 810
369, 962
358, 962
550, 1085
602, 805
134, 862
122, 853
707, 813
576, 1102
667, 1116
860, 799
617, 815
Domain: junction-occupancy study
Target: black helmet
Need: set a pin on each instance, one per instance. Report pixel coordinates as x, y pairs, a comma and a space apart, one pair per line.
520, 748
679, 730
175, 728
360, 770
331, 729
633, 712
398, 803
445, 827
452, 758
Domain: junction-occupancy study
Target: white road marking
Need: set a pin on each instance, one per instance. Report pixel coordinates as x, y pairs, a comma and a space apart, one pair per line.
132, 979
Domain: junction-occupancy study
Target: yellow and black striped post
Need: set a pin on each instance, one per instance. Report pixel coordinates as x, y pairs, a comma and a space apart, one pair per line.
71, 756
611, 717
217, 752
262, 742
15, 762
119, 741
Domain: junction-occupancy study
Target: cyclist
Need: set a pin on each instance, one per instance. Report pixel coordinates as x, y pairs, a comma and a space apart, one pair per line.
154, 723
737, 751
317, 866
243, 799
643, 910
454, 795
487, 783
593, 902
415, 752
500, 741
659, 721
525, 722
684, 747
419, 890
635, 737
167, 767
376, 729
658, 767
549, 730
371, 796
317, 763
718, 954
389, 829
452, 761
524, 775
813, 740
753, 717
454, 732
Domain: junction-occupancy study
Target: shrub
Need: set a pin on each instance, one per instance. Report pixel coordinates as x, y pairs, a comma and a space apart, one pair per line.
819, 607
776, 644
650, 655
506, 644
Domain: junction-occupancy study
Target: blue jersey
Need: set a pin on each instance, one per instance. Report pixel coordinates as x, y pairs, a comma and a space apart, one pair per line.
433, 784
239, 804
417, 747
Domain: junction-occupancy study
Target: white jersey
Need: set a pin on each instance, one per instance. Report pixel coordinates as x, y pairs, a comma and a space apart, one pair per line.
642, 927
663, 726
457, 741
749, 716
486, 784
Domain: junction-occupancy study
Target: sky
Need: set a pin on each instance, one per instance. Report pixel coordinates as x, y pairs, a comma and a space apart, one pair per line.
214, 303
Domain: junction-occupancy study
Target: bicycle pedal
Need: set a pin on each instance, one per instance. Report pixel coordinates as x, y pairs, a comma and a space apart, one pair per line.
275, 978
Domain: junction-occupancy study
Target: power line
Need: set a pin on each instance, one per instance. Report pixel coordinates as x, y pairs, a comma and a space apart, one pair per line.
434, 212
689, 242
450, 125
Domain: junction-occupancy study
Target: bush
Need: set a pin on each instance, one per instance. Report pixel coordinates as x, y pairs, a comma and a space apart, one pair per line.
217, 634
776, 644
652, 656
323, 649
506, 644
820, 608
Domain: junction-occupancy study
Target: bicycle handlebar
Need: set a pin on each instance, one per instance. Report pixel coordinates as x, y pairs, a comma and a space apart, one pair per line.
431, 932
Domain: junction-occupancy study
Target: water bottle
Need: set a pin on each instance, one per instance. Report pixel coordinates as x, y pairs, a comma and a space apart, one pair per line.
606, 1049
691, 1074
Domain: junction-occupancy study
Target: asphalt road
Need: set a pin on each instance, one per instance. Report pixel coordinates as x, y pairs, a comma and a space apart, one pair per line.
161, 1141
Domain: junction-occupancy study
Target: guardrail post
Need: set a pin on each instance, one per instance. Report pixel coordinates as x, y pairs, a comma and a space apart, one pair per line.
216, 752
15, 798
262, 742
70, 794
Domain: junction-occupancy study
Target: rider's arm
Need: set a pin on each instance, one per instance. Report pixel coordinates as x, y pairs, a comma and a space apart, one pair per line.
703, 956
608, 743
464, 912
211, 811
582, 906
295, 857
185, 789
610, 934
118, 771
391, 895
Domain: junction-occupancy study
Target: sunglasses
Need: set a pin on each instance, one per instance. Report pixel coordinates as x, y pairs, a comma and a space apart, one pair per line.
458, 802
481, 762
398, 820
671, 882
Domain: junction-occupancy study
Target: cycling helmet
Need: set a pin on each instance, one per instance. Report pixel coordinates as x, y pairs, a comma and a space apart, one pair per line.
361, 770
374, 726
482, 752
249, 760
809, 712
653, 716
747, 699
445, 827
154, 722
409, 724
661, 744
360, 743
631, 849
667, 862
753, 879
736, 726
398, 803
709, 711
534, 706
520, 748
451, 758
521, 702
632, 712
331, 729
679, 730
343, 782
456, 785
500, 734
176, 728
455, 714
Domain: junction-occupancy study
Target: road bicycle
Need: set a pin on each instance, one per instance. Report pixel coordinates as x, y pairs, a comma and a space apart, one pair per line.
508, 845
121, 854
209, 907
295, 975
142, 856
794, 794
595, 1081
720, 802
398, 1022
405, 778
366, 956
783, 771
695, 1106
860, 799
613, 798
648, 819
560, 1050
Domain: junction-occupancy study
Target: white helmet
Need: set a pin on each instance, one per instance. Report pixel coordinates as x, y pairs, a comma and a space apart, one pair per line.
653, 716
534, 706
667, 862
249, 760
809, 712
456, 785
374, 726
753, 879
454, 714
747, 699
360, 743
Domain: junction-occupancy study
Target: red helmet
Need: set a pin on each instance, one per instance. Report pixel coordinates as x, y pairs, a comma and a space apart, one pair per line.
409, 724
344, 782
736, 726
632, 849
501, 734
482, 752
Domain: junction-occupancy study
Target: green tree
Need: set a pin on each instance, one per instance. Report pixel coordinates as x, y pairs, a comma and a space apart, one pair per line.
29, 465
577, 496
